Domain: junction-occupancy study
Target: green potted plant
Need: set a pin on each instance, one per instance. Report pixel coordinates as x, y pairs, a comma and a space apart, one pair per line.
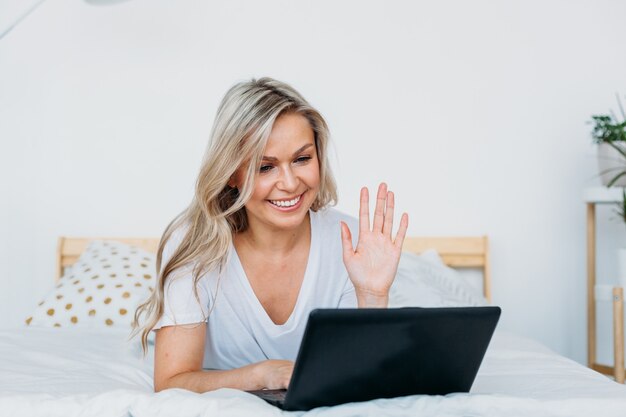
610, 135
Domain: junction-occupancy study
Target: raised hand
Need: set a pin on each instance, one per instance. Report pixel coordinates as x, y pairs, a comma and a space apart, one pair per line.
372, 266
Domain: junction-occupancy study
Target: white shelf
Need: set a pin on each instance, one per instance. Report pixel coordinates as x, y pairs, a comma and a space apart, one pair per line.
603, 195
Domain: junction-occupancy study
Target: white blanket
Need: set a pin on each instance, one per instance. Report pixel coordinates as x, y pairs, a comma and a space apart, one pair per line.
71, 372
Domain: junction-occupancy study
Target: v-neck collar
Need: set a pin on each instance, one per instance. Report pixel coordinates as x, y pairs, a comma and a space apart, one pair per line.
304, 287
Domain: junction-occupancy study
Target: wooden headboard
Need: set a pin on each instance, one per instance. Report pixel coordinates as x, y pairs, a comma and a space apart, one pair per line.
69, 249
457, 252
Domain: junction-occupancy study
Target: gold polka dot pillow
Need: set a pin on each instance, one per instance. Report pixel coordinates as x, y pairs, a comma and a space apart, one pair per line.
102, 289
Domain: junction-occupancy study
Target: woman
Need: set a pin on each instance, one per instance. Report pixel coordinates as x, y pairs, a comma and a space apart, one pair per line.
258, 248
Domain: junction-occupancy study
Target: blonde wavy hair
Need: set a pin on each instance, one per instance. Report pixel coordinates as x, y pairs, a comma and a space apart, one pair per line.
239, 136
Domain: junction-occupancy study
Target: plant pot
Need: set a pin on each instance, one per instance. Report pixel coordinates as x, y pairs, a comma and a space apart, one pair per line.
621, 267
610, 163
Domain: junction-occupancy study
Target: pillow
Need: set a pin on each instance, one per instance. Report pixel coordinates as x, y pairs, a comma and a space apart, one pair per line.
101, 290
425, 281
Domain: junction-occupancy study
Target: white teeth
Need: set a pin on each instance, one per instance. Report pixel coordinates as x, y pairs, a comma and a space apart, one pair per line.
287, 203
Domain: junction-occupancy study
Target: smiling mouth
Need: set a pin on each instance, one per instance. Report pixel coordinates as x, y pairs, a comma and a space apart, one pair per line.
286, 203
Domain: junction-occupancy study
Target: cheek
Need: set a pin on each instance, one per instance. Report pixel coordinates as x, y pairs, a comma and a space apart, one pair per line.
314, 176
262, 189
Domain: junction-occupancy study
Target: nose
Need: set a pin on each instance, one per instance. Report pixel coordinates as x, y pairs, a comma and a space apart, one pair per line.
288, 180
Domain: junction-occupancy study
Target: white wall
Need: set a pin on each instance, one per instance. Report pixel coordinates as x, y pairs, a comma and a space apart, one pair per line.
473, 112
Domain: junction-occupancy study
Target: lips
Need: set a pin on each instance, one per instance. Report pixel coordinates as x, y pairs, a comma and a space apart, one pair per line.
287, 204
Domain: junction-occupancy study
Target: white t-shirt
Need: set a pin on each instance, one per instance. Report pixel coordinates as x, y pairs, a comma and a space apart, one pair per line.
239, 331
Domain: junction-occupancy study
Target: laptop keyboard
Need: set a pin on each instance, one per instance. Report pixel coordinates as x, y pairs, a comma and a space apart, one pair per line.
270, 394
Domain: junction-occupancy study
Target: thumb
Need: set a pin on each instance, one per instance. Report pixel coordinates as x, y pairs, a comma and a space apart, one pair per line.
346, 241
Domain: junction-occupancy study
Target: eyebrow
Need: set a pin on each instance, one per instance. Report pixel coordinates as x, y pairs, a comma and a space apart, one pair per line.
273, 159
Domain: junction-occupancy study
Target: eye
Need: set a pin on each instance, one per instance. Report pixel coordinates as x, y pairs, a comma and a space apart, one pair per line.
303, 159
265, 168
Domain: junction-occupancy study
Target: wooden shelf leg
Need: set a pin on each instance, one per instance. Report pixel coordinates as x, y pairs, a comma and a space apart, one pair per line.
591, 284
618, 333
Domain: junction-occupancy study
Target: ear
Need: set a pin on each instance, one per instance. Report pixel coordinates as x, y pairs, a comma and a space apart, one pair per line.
233, 182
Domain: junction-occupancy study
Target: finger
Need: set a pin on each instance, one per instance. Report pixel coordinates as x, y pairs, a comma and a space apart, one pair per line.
379, 212
388, 225
404, 224
364, 211
346, 241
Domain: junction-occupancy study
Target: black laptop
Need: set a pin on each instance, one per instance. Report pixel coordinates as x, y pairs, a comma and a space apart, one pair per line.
350, 355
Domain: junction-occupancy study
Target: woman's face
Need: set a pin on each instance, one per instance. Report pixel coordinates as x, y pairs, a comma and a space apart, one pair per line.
289, 177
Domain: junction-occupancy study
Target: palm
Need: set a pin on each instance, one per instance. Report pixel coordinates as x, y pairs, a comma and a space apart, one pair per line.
372, 266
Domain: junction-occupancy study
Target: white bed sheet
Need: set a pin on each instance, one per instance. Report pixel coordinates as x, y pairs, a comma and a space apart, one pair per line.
80, 372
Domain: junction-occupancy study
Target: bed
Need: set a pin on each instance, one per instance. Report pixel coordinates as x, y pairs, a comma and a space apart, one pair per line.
73, 356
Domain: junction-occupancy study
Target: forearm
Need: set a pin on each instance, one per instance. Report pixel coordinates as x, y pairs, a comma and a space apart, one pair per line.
366, 299
245, 378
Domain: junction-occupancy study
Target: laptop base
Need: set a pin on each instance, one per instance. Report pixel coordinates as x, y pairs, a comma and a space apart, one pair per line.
276, 397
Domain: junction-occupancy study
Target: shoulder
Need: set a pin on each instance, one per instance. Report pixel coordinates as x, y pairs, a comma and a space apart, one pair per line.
330, 217
328, 222
174, 240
